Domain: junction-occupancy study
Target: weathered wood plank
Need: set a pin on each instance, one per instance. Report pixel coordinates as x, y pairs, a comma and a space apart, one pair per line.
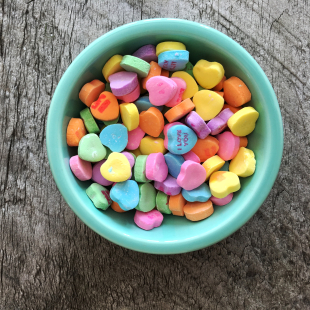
50, 260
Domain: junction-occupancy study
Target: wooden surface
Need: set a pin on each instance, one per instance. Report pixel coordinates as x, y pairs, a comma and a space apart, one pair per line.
50, 260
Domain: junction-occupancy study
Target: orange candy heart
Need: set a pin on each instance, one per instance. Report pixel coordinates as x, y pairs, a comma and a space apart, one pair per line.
152, 122
106, 108
206, 148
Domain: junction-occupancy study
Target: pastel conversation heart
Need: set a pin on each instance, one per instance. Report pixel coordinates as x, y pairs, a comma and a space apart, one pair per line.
162, 202
201, 193
243, 165
115, 137
126, 194
147, 197
148, 220
122, 83
174, 163
134, 138
223, 183
91, 149
194, 121
177, 98
191, 175
156, 167
181, 139
169, 186
99, 195
222, 201
105, 108
208, 74
219, 123
161, 90
116, 168
152, 122
81, 169
197, 211
147, 53
173, 60
228, 145
97, 176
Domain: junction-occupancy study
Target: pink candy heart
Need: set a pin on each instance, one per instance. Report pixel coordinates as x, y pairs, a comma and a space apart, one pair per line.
156, 167
148, 220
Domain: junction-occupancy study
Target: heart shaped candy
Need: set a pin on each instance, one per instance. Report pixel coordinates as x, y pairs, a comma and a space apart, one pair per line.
99, 195
105, 108
126, 194
223, 183
208, 74
243, 165
169, 186
115, 137
152, 122
91, 149
122, 83
191, 175
201, 193
156, 167
148, 220
147, 197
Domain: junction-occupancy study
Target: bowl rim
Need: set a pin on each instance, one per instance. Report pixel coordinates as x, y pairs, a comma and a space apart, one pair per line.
177, 246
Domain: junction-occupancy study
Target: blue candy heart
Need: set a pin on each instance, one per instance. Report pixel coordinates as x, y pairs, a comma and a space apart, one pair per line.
181, 139
115, 137
143, 104
173, 60
174, 163
201, 193
126, 194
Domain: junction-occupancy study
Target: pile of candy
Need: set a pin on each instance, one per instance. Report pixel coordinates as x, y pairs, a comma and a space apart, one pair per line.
176, 166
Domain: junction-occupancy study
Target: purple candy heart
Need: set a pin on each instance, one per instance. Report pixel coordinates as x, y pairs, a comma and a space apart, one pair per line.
169, 186
219, 123
122, 83
194, 121
97, 177
147, 53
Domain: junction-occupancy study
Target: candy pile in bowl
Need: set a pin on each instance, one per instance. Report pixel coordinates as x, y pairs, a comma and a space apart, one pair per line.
156, 136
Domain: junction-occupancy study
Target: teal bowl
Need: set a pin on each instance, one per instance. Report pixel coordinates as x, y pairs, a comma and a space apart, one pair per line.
176, 235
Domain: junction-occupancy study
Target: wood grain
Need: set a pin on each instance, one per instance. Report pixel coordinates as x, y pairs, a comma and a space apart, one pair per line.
50, 260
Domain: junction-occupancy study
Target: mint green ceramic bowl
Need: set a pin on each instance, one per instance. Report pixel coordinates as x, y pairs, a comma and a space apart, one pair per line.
176, 235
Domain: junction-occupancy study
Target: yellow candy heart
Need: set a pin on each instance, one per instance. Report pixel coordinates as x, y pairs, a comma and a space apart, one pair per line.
130, 115
244, 163
243, 122
213, 164
150, 145
208, 104
116, 168
112, 66
208, 74
169, 46
191, 85
222, 183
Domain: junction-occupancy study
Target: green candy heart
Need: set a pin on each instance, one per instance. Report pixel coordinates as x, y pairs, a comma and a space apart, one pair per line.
162, 202
89, 121
140, 168
99, 195
147, 197
189, 69
91, 149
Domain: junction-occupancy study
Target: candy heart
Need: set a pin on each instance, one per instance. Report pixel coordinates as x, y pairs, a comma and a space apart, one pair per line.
148, 220
208, 74
130, 115
213, 164
91, 149
201, 193
114, 137
242, 123
228, 145
131, 97
152, 122
134, 138
147, 197
89, 121
135, 64
177, 98
173, 60
169, 186
243, 165
174, 163
197, 211
140, 169
99, 195
116, 168
122, 83
97, 176
208, 104
143, 104
161, 90
206, 148
165, 131
194, 121
81, 169
191, 176
176, 204
169, 46
105, 108
126, 194
191, 85
219, 123
156, 167
130, 158
151, 145
191, 156
222, 201
223, 183
147, 53
112, 66
162, 202
181, 139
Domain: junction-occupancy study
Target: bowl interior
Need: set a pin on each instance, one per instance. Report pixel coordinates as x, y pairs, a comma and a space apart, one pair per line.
176, 234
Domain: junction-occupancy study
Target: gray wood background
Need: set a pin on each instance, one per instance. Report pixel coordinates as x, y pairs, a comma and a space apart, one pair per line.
50, 260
